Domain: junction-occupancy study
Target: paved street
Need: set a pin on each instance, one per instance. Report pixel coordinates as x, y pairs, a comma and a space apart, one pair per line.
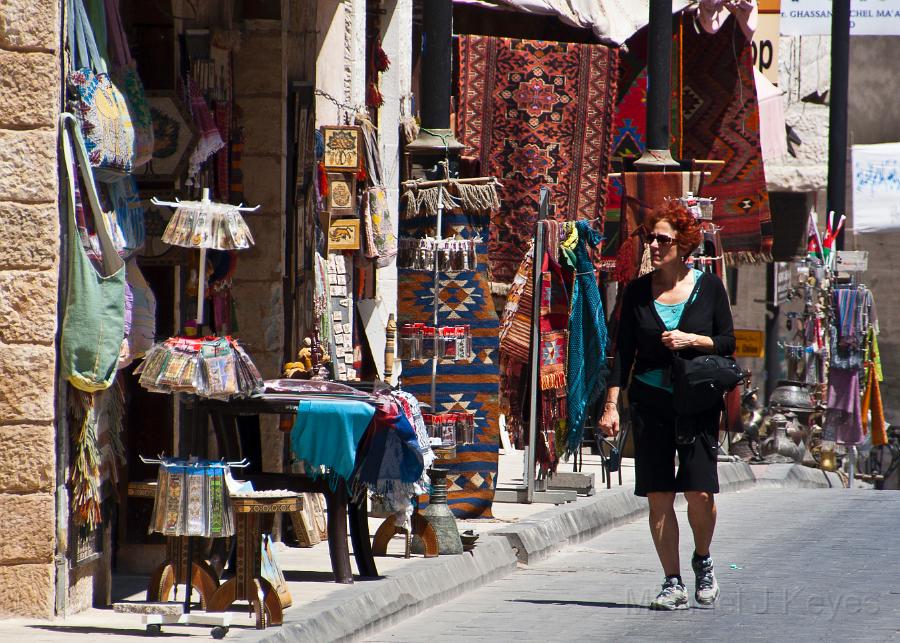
793, 565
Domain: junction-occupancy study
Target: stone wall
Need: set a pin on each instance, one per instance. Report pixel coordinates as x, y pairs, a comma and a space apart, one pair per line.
29, 106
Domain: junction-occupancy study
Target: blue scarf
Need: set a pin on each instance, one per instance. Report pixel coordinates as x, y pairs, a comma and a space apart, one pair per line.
587, 370
326, 433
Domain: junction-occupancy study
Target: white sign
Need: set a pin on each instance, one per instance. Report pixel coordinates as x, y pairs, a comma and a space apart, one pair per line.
876, 187
867, 17
852, 260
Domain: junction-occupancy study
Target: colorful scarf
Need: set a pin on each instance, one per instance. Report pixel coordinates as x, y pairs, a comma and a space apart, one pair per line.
326, 434
587, 367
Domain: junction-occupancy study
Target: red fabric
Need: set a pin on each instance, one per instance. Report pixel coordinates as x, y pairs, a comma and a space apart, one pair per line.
721, 121
536, 113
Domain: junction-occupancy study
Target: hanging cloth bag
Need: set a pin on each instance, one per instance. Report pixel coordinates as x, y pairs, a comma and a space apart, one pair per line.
94, 318
98, 105
126, 78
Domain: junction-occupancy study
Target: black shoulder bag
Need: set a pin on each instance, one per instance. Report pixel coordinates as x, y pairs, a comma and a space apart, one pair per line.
699, 383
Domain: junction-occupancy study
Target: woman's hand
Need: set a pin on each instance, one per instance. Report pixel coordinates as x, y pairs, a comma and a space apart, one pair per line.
609, 421
676, 340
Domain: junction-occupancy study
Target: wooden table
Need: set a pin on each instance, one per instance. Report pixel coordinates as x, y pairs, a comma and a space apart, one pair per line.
339, 506
248, 583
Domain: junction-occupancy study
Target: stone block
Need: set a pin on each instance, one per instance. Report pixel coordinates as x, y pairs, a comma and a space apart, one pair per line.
29, 24
27, 590
29, 89
27, 459
263, 126
260, 314
258, 65
28, 166
264, 260
28, 307
36, 242
27, 383
27, 529
263, 183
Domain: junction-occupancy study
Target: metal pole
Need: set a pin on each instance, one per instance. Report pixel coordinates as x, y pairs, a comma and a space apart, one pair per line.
837, 115
659, 86
535, 342
436, 78
771, 361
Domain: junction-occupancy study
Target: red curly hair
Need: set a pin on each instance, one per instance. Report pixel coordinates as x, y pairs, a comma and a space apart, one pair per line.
686, 227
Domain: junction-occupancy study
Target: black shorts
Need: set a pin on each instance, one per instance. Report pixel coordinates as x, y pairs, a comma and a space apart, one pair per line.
653, 422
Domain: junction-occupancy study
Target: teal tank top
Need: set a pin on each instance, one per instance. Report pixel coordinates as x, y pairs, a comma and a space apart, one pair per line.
670, 314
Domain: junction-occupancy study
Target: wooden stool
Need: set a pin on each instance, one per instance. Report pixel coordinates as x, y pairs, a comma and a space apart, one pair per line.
420, 528
247, 583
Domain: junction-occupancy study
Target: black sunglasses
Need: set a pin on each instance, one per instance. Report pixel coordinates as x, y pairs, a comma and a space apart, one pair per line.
661, 239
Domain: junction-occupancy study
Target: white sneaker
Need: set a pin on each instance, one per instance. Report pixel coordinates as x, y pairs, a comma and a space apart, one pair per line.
707, 589
672, 596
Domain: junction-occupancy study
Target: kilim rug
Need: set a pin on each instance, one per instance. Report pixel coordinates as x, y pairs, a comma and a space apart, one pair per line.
464, 298
629, 136
536, 113
721, 121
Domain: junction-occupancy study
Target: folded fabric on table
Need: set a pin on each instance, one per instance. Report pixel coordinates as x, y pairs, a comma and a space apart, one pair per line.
390, 462
326, 434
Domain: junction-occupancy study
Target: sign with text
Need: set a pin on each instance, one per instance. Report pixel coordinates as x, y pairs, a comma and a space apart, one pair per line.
867, 17
749, 343
765, 39
782, 282
876, 187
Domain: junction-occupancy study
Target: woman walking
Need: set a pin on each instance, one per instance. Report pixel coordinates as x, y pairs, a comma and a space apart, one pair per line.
673, 308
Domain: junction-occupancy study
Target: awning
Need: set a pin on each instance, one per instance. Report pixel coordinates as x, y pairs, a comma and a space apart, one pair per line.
612, 21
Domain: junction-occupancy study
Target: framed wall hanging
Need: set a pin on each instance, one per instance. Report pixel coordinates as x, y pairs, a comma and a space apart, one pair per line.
343, 147
343, 234
174, 137
342, 193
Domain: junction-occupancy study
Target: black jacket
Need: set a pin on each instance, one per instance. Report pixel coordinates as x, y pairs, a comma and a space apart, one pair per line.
639, 342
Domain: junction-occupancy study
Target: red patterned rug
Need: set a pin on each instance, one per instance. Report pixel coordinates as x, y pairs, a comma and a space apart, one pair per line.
536, 113
721, 121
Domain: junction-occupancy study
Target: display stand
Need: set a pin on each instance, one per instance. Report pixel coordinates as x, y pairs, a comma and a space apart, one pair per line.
156, 610
534, 489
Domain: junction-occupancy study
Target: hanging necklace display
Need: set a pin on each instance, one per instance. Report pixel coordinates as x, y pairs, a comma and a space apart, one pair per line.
444, 255
216, 367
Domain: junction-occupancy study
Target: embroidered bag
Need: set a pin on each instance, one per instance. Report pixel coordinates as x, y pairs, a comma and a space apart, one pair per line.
126, 78
99, 107
93, 324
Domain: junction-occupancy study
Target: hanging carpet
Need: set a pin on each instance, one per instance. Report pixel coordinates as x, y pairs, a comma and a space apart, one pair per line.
721, 121
715, 115
629, 135
536, 113
464, 298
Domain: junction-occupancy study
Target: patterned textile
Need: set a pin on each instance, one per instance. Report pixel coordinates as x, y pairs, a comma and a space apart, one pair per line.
552, 355
536, 113
643, 191
721, 121
587, 339
464, 298
630, 130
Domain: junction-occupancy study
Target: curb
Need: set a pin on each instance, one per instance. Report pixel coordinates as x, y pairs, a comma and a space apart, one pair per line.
369, 606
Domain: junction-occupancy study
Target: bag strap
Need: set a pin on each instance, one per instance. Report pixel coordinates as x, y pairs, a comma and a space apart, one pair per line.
119, 53
71, 138
84, 45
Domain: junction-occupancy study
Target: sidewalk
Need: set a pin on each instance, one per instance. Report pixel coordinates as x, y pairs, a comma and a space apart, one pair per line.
324, 611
